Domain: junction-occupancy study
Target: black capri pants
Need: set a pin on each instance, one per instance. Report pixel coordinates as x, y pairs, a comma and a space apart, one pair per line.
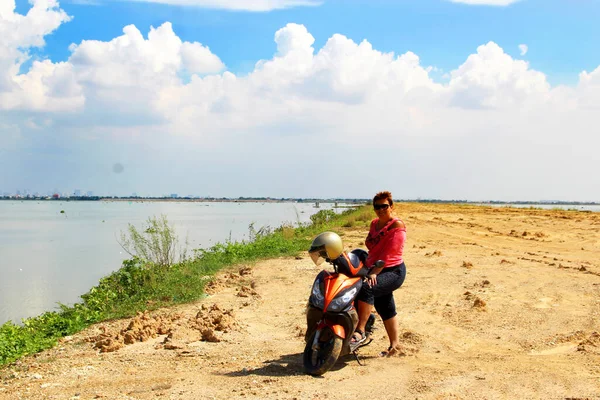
382, 294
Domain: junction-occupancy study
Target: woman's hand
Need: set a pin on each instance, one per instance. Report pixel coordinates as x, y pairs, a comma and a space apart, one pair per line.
372, 280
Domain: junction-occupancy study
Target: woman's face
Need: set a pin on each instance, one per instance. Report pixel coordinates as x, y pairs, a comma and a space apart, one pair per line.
382, 208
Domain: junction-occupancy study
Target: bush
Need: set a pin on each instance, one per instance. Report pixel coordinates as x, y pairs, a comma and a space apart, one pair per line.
157, 243
322, 217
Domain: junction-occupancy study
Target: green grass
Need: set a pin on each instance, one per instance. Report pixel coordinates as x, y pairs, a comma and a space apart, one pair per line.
139, 285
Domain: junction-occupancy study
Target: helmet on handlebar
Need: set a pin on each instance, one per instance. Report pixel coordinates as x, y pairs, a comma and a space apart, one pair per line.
327, 245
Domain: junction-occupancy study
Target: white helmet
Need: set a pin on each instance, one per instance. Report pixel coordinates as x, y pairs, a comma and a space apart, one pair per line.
328, 245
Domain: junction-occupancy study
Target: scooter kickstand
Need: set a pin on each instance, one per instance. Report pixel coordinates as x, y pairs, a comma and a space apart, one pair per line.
357, 359
354, 352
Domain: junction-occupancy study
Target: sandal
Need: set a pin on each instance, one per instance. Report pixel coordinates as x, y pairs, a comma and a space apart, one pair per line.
391, 351
358, 338
385, 353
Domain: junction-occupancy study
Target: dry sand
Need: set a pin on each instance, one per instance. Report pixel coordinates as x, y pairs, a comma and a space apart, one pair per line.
497, 304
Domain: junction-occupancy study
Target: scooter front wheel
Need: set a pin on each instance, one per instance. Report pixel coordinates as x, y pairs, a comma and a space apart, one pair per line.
320, 357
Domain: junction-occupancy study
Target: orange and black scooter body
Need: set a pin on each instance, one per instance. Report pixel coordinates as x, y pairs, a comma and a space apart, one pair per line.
336, 307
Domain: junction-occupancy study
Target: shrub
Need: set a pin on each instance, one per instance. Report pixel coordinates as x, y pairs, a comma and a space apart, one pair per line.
322, 217
287, 231
157, 243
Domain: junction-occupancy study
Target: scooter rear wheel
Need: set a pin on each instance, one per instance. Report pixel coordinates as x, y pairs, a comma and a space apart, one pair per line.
318, 361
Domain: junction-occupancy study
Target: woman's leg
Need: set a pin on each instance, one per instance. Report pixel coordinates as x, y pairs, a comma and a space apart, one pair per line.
391, 327
364, 311
364, 306
386, 308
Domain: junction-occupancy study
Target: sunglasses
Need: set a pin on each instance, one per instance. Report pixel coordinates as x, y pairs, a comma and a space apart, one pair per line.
381, 206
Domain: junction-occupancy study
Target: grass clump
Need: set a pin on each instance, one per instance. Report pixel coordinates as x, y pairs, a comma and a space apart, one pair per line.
360, 217
157, 243
157, 276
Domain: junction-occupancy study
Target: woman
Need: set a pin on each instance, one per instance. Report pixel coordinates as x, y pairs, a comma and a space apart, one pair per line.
385, 242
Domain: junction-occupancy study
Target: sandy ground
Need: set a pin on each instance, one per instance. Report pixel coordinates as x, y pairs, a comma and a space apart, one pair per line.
497, 304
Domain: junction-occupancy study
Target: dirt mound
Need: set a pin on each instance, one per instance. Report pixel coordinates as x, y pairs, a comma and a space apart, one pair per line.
179, 337
209, 324
591, 344
215, 286
213, 319
220, 282
477, 302
244, 271
246, 291
410, 343
140, 329
411, 338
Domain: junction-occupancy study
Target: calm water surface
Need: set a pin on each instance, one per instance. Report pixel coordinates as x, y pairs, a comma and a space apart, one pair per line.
48, 257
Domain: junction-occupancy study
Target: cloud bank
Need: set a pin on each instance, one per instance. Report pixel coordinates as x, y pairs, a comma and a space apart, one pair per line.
176, 118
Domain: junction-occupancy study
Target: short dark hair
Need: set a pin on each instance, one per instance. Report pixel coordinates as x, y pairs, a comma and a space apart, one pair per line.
383, 196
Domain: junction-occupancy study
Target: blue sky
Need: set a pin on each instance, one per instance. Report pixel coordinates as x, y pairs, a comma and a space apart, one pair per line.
562, 37
217, 102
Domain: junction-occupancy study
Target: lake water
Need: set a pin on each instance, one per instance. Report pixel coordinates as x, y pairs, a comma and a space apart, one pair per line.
48, 257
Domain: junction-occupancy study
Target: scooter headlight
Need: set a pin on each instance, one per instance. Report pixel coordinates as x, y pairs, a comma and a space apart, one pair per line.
317, 298
341, 302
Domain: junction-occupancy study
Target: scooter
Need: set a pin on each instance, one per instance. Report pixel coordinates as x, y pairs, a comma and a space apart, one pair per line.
331, 314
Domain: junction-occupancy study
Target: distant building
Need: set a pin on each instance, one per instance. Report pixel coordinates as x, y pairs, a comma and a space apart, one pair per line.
77, 193
89, 193
174, 195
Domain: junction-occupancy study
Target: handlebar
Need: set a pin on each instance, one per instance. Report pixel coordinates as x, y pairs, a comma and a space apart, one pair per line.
378, 264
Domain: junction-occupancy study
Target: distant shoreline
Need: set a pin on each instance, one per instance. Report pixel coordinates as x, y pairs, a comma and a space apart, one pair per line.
294, 200
189, 200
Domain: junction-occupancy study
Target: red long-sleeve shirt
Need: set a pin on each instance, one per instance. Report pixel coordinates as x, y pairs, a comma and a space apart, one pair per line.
385, 244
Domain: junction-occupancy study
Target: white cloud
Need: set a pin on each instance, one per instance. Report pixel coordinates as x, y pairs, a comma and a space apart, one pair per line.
486, 2
589, 89
523, 49
239, 5
494, 122
491, 78
198, 59
47, 85
128, 73
104, 72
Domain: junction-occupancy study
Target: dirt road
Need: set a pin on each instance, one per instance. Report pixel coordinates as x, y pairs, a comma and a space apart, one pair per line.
497, 304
